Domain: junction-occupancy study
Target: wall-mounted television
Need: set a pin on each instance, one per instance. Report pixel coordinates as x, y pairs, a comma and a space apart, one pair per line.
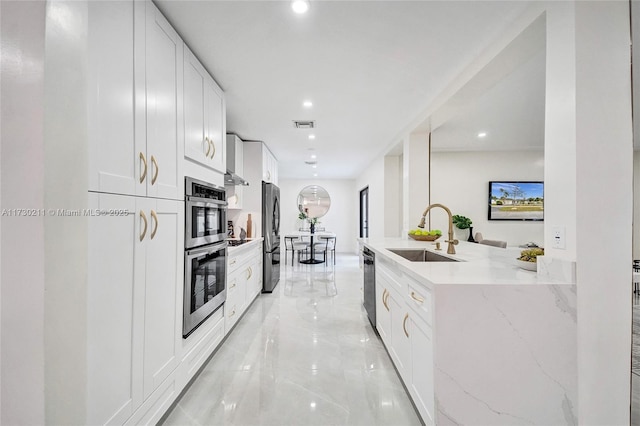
516, 200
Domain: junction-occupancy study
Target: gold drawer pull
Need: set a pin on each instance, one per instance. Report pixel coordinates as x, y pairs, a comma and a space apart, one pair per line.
156, 169
144, 172
213, 145
206, 139
144, 231
416, 298
250, 271
404, 325
154, 216
385, 296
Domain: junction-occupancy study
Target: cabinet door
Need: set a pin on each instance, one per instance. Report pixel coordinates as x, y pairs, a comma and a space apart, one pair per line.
163, 90
110, 112
216, 125
421, 382
383, 314
163, 289
196, 147
116, 267
399, 349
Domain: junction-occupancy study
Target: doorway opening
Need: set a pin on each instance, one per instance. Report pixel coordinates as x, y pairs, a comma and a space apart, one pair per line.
364, 212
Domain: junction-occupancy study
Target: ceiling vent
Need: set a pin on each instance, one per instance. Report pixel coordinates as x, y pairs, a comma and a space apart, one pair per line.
304, 124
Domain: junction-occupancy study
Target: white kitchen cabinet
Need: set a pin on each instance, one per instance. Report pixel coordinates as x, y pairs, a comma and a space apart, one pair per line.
110, 108
244, 269
163, 106
383, 314
135, 90
204, 116
235, 192
113, 301
133, 314
421, 378
269, 167
403, 320
164, 278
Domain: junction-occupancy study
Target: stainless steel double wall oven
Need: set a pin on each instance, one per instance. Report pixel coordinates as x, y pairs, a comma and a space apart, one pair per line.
205, 252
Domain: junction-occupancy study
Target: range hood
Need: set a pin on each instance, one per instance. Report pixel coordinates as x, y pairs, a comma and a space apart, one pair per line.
231, 178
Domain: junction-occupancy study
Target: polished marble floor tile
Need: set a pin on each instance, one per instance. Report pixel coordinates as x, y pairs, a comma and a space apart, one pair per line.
302, 355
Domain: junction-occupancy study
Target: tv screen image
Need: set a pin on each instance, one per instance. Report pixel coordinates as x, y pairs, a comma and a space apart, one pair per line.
516, 200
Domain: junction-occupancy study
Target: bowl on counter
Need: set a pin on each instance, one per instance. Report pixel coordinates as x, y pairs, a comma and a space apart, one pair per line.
424, 237
529, 266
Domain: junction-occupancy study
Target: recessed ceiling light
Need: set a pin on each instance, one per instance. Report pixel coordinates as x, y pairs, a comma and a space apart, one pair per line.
315, 175
307, 104
312, 137
482, 134
300, 6
313, 156
314, 166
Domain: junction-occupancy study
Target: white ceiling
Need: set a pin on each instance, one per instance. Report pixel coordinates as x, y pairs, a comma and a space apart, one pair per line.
369, 67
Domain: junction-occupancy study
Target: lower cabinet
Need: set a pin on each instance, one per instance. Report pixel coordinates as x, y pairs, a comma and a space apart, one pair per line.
244, 281
403, 321
133, 314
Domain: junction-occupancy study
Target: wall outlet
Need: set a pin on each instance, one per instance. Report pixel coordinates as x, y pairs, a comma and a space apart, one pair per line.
558, 237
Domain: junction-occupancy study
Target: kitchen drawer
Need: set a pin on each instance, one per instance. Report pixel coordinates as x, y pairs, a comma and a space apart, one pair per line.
419, 299
242, 255
395, 278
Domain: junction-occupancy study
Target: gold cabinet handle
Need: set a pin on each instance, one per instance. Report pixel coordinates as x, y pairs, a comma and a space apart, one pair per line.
268, 175
144, 231
154, 163
208, 146
416, 298
250, 271
234, 284
233, 262
404, 325
232, 313
143, 175
154, 216
213, 145
385, 296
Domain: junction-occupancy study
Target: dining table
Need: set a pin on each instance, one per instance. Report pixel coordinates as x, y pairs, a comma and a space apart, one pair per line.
312, 260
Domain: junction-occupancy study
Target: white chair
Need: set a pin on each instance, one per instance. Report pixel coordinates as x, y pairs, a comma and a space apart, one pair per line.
294, 243
325, 245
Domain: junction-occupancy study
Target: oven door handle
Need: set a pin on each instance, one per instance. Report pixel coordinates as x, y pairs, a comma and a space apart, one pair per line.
208, 249
205, 201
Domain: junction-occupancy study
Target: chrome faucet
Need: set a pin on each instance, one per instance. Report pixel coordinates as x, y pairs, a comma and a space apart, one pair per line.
451, 240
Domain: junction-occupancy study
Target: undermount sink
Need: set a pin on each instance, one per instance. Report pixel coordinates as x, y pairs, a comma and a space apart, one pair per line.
417, 255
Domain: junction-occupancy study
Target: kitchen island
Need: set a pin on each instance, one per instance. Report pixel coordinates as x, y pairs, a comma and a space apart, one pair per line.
479, 340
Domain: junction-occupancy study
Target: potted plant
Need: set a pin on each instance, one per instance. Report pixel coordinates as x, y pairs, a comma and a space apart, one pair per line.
463, 222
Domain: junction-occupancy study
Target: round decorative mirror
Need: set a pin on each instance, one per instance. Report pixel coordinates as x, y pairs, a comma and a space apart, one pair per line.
314, 201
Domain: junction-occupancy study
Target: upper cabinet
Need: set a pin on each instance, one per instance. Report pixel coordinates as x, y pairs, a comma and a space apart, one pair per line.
135, 91
269, 167
163, 83
204, 116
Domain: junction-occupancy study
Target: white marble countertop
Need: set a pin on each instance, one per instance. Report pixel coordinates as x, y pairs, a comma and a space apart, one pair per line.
251, 243
477, 263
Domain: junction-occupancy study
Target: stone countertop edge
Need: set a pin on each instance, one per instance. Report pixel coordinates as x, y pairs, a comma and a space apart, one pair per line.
241, 247
477, 264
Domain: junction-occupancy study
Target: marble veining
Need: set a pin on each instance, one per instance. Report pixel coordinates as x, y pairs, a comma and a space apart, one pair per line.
302, 355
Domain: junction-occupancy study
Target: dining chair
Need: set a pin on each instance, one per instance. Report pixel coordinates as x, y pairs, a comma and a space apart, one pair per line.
636, 276
325, 245
294, 243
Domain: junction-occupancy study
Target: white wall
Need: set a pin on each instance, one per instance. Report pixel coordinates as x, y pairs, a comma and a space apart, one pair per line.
373, 177
604, 205
460, 181
22, 168
392, 195
341, 219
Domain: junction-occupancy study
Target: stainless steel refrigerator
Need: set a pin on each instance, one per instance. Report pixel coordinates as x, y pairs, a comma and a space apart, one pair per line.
271, 234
